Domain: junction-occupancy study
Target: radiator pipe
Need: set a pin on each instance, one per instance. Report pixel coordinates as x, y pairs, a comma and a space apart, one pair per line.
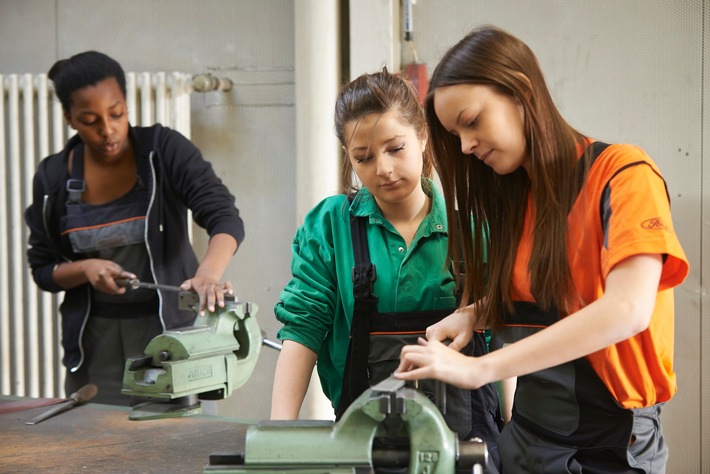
208, 82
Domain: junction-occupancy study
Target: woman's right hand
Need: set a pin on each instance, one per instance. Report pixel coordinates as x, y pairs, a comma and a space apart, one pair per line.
102, 275
457, 327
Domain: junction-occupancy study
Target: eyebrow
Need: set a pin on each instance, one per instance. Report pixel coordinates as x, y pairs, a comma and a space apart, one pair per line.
386, 141
88, 112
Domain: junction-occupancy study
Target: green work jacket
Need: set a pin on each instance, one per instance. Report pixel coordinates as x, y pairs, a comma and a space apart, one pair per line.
316, 306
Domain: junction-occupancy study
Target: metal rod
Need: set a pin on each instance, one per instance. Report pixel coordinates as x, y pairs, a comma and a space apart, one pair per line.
271, 344
134, 284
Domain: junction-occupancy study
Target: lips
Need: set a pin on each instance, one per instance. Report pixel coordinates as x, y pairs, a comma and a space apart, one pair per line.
485, 156
109, 147
389, 184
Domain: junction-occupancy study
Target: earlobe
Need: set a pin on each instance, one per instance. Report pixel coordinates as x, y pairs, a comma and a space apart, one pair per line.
67, 118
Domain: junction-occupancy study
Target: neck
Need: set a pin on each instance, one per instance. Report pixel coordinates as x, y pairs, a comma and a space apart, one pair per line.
411, 210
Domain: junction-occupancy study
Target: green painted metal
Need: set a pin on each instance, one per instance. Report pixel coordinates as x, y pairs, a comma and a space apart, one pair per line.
208, 360
346, 446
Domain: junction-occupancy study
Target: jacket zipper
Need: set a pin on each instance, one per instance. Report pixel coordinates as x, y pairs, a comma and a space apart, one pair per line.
45, 214
145, 237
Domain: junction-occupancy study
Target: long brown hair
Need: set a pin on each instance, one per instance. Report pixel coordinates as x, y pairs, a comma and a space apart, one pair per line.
378, 93
497, 203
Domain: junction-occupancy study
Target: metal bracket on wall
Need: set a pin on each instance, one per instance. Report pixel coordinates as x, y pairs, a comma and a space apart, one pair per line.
208, 82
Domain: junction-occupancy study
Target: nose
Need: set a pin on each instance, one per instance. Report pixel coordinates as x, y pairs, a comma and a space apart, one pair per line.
384, 165
106, 127
468, 144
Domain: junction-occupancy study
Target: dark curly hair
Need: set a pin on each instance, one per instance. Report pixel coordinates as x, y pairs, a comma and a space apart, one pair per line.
82, 70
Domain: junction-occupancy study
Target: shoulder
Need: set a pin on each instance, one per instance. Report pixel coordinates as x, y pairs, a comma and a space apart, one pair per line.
52, 170
617, 158
156, 137
623, 154
327, 212
326, 221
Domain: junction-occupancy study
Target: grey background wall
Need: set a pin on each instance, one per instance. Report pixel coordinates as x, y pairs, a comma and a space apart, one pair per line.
632, 71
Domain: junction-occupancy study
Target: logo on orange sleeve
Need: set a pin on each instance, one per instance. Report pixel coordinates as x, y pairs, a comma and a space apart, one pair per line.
655, 223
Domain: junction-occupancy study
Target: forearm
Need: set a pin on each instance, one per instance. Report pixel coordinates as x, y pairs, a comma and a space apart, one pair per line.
603, 323
220, 250
291, 378
623, 311
69, 275
506, 393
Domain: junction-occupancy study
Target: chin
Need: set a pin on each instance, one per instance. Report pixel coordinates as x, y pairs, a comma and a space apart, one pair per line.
503, 170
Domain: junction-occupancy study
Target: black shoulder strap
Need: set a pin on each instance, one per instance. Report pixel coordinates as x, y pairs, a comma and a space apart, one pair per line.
355, 377
76, 184
595, 149
364, 272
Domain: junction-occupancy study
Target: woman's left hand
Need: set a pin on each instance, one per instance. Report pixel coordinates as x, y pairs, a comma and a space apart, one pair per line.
210, 291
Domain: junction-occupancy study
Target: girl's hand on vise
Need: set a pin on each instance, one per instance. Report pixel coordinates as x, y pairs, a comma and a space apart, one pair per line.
434, 360
210, 290
102, 275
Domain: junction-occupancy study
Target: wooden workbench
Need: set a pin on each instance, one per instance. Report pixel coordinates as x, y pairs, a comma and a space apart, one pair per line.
95, 438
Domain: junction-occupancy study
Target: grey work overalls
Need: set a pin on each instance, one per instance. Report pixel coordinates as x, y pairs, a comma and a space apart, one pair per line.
565, 420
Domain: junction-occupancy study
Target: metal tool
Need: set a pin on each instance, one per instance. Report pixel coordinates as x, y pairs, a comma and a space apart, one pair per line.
19, 405
83, 395
205, 361
389, 427
135, 283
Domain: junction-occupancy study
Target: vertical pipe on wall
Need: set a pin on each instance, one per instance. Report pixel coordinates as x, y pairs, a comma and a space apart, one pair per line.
4, 264
46, 306
317, 66
30, 301
14, 191
374, 36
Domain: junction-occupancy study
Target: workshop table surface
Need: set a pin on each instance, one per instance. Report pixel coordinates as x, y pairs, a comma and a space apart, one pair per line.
101, 438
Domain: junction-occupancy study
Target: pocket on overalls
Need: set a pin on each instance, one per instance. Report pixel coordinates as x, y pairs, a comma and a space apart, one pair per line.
385, 350
548, 399
647, 447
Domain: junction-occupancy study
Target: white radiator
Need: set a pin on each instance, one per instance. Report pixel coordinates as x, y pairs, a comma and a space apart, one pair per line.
32, 126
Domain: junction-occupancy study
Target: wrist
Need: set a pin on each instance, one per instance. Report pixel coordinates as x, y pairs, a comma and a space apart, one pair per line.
206, 274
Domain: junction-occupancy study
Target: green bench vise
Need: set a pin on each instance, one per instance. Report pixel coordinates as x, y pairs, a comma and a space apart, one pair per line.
362, 441
207, 361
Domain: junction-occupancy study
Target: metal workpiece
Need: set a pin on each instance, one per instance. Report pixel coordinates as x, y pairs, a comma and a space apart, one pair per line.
207, 361
389, 427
